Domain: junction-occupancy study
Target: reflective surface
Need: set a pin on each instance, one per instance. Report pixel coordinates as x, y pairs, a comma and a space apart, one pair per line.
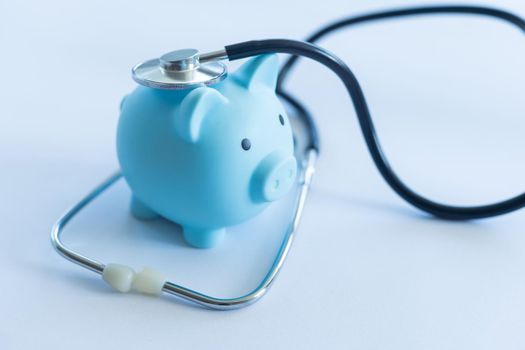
180, 69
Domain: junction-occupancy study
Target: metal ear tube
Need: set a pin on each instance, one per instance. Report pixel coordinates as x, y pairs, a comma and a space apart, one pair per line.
121, 277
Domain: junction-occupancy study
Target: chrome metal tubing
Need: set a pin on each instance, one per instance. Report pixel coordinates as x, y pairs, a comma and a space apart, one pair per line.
58, 228
219, 55
207, 301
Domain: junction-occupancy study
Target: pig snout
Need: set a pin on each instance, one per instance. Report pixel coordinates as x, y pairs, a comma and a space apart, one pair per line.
274, 176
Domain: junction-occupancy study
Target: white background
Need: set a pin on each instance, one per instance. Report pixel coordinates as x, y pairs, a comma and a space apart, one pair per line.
367, 270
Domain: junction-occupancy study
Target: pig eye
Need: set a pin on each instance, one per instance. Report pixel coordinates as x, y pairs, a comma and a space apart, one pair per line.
281, 119
246, 144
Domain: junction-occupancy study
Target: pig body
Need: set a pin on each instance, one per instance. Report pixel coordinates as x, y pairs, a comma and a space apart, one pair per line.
209, 157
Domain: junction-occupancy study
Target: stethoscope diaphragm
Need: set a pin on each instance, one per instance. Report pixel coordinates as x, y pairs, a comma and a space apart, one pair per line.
177, 70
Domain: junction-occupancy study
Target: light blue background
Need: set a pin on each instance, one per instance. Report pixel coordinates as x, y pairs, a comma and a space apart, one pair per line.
366, 272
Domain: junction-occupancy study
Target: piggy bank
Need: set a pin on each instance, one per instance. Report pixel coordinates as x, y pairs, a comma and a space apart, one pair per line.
208, 157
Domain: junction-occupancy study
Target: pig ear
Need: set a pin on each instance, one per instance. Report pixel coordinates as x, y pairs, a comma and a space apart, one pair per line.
194, 108
259, 71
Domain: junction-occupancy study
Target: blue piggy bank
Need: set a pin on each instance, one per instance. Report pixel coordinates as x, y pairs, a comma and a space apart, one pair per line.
209, 157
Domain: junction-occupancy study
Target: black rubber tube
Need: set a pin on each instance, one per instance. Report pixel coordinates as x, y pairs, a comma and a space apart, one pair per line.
318, 54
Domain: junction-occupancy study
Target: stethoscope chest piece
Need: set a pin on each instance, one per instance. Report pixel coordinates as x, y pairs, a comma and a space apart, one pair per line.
177, 70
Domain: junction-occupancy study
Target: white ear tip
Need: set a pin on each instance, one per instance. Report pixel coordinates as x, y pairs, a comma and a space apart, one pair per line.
149, 281
118, 276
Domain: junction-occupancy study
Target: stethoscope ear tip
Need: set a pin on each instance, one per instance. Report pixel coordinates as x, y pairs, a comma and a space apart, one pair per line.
124, 279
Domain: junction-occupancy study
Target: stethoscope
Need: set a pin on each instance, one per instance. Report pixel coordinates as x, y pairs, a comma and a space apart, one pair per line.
207, 68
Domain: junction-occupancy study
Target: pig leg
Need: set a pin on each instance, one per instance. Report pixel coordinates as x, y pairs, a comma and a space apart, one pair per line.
203, 238
141, 211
